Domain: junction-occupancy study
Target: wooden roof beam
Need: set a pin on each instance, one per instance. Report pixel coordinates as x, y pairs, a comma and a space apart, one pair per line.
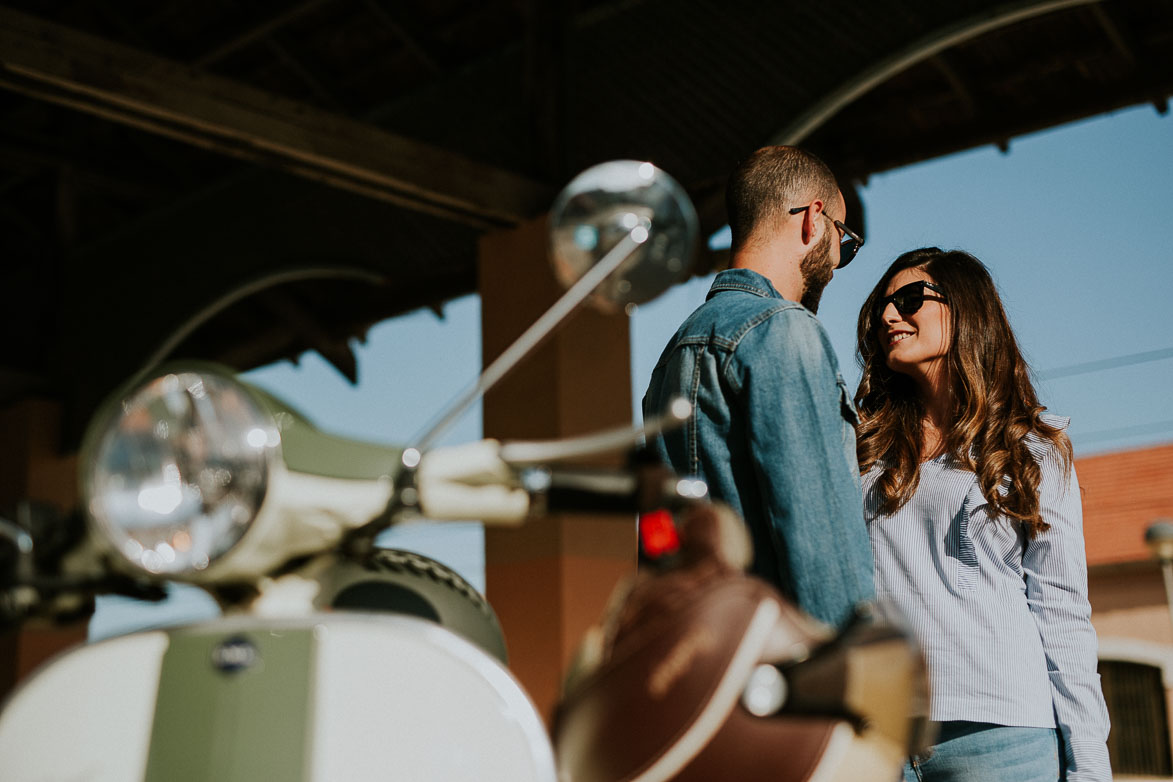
545, 85
63, 66
28, 163
959, 86
257, 32
409, 41
1117, 37
302, 72
336, 351
1125, 41
268, 37
884, 153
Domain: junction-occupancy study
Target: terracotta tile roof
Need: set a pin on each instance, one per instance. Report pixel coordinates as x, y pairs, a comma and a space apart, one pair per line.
1122, 494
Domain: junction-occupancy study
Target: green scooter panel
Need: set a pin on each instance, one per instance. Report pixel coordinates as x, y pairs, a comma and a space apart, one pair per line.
233, 706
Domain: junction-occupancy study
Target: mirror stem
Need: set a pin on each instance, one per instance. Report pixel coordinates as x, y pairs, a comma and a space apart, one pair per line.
537, 333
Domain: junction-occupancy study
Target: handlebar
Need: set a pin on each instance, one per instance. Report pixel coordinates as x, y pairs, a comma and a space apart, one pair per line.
474, 481
506, 483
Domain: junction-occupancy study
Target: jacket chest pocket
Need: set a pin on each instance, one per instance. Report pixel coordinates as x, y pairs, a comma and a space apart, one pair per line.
851, 419
850, 422
846, 407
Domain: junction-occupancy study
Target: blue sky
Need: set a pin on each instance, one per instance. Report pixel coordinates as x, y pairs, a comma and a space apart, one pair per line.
1072, 222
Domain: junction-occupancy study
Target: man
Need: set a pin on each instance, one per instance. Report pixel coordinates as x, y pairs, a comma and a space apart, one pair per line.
773, 430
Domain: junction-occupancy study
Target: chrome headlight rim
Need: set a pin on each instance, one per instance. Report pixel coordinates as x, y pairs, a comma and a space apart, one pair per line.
113, 535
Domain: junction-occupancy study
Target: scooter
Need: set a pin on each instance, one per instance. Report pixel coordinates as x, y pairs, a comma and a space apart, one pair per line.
336, 659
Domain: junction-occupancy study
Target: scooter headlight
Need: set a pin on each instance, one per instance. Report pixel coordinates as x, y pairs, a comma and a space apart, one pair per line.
177, 472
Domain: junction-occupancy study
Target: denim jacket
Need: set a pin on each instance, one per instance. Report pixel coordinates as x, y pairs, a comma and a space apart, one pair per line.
773, 435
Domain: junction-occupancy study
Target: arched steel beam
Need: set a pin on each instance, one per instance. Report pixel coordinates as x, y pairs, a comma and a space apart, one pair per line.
935, 42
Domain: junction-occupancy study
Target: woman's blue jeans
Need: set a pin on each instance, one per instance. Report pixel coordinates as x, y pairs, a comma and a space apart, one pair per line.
981, 752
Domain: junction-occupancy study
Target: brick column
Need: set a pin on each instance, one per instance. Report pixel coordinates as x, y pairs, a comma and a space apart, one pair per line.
550, 580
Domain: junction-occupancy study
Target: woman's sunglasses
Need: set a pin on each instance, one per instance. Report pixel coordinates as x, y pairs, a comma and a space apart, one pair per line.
909, 298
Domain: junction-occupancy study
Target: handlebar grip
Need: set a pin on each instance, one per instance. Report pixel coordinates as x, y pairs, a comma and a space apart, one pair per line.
637, 489
473, 481
584, 491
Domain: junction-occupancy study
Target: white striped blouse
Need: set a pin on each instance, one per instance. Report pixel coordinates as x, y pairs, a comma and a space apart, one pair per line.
1003, 620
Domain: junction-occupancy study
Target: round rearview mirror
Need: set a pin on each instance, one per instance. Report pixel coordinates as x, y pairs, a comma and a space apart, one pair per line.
610, 202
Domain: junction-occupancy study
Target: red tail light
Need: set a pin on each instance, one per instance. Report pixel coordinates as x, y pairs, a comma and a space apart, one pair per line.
657, 534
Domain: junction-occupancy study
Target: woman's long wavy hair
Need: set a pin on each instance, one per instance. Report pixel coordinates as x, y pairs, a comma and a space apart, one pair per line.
994, 407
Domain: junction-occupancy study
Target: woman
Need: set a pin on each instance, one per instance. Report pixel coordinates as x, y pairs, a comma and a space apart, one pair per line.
974, 513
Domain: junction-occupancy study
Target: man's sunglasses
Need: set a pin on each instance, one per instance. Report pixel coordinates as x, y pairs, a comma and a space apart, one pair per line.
909, 298
849, 240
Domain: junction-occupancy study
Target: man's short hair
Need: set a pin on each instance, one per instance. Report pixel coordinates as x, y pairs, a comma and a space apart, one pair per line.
768, 183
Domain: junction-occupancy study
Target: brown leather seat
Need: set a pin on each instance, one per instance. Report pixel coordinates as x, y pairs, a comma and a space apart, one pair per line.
658, 693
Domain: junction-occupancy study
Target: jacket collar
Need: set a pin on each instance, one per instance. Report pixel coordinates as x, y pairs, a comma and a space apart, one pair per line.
743, 280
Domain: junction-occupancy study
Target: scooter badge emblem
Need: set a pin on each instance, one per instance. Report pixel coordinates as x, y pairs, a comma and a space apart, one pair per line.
235, 654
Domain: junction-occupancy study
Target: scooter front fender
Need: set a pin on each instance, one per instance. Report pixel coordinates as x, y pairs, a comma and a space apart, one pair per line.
325, 697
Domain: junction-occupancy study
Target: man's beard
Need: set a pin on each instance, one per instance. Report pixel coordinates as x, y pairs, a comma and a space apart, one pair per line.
816, 272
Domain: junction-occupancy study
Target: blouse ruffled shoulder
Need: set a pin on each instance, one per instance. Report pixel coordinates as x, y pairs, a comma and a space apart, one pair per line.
1039, 448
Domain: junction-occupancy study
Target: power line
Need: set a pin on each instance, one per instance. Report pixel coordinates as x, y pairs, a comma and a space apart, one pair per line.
1106, 363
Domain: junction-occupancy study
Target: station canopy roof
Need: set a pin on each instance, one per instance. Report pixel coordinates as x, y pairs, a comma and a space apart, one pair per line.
244, 181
